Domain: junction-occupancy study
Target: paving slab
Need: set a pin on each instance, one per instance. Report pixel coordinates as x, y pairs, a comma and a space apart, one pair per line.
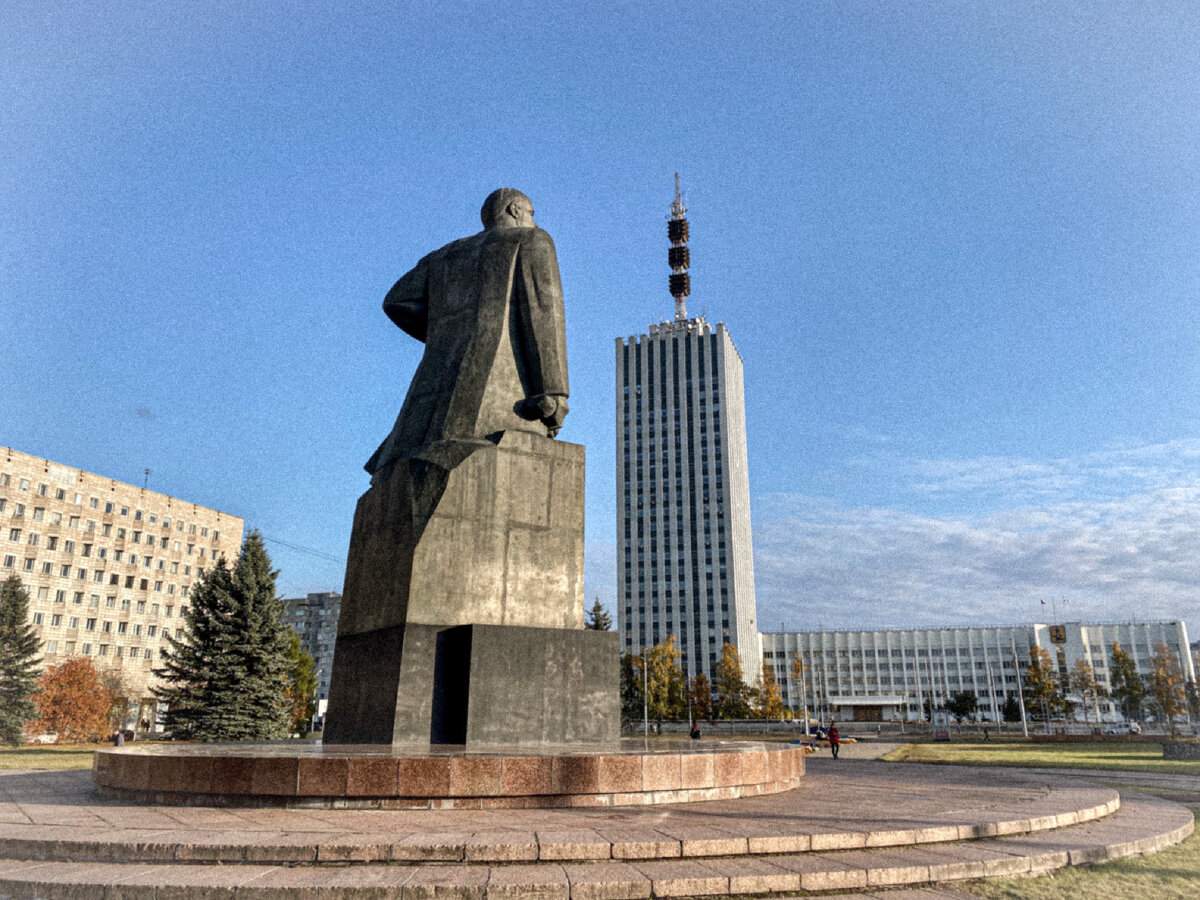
538, 882
606, 881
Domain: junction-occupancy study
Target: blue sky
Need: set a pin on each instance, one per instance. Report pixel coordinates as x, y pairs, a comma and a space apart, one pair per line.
958, 246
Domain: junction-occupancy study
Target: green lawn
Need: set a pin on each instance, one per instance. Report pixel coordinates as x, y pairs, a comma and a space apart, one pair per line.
1125, 757
1166, 875
40, 756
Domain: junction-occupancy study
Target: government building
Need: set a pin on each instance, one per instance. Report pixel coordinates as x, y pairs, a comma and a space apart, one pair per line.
889, 675
108, 565
684, 564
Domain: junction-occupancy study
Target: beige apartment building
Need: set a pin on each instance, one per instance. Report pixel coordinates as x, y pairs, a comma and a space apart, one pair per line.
108, 565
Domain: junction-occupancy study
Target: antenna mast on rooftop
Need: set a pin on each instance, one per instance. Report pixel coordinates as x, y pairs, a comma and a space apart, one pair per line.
678, 256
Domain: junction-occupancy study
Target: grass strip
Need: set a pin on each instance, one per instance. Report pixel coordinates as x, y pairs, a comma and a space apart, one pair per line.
1167, 874
72, 756
1120, 757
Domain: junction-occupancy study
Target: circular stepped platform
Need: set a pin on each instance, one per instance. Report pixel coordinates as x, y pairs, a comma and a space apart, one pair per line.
849, 826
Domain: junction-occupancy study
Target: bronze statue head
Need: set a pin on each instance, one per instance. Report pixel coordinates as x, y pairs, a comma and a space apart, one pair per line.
507, 208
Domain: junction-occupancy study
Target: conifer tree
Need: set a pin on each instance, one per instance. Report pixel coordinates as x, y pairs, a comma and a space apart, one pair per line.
631, 688
597, 618
963, 705
1011, 711
227, 677
19, 646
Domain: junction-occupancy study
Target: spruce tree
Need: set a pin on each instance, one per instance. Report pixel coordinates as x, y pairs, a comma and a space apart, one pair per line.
597, 618
1012, 709
197, 667
264, 702
227, 677
19, 646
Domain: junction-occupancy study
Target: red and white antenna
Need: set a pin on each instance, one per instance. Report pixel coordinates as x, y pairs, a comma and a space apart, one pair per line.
678, 256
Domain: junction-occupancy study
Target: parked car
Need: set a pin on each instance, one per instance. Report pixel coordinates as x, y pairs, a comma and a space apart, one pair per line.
1130, 728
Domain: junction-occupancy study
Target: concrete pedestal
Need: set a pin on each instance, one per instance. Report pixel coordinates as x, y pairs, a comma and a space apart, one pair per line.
462, 615
476, 684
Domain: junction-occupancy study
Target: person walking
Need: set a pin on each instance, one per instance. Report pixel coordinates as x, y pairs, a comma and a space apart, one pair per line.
835, 740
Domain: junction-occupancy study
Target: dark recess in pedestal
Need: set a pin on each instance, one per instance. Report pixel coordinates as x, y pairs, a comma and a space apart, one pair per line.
451, 686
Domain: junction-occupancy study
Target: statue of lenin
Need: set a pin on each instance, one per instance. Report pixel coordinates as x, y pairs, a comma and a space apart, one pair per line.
489, 309
462, 611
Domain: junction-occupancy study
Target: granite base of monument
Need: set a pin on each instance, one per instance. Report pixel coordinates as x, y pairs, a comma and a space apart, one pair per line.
479, 684
307, 775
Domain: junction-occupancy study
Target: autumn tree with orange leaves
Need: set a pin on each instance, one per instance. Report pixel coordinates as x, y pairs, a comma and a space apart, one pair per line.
770, 696
72, 702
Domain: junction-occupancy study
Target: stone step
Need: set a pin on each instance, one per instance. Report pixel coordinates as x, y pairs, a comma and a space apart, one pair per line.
1141, 825
57, 817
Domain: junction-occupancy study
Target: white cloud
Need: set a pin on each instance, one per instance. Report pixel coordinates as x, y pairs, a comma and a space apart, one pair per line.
1112, 472
1117, 534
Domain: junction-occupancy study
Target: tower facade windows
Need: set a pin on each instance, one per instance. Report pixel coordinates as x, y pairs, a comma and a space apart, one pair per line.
684, 563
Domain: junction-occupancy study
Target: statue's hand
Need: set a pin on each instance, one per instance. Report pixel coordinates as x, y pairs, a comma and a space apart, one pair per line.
550, 409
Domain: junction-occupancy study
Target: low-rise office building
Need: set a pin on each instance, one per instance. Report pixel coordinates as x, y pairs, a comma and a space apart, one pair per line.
891, 675
108, 565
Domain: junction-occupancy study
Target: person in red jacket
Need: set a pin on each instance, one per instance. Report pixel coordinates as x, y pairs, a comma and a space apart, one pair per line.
835, 740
